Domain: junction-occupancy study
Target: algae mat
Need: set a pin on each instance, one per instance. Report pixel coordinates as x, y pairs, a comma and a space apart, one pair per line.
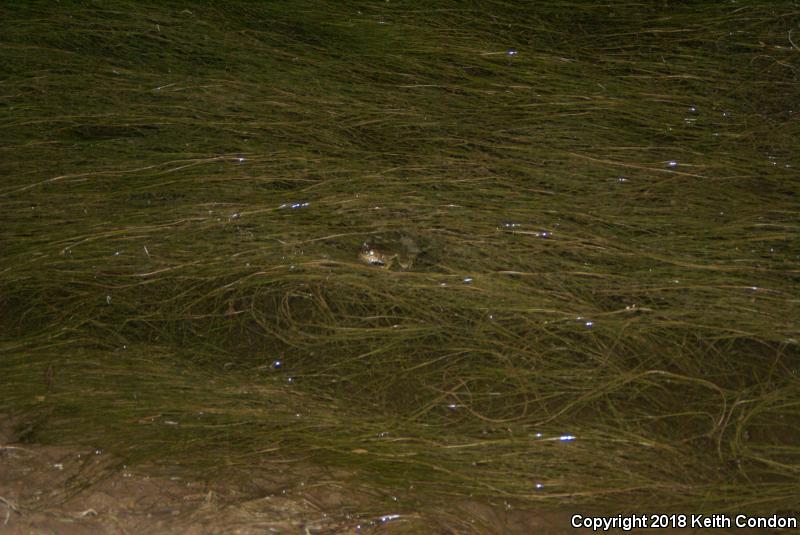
586, 217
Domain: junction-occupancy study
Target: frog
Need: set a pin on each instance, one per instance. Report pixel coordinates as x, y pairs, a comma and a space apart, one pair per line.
385, 254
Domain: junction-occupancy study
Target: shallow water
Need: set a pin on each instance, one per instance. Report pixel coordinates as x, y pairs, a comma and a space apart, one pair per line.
599, 209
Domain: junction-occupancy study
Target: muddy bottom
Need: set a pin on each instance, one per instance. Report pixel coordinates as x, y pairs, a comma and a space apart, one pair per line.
70, 490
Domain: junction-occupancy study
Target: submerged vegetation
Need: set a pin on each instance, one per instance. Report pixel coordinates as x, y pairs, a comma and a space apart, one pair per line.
602, 200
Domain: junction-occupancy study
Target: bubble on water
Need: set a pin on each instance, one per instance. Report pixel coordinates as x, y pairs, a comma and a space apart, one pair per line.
672, 164
511, 52
294, 205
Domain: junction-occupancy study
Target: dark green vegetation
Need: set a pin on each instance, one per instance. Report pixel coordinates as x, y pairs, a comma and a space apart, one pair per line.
572, 281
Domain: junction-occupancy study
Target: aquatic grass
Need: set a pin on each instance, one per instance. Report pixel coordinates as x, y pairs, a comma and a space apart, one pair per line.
605, 203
